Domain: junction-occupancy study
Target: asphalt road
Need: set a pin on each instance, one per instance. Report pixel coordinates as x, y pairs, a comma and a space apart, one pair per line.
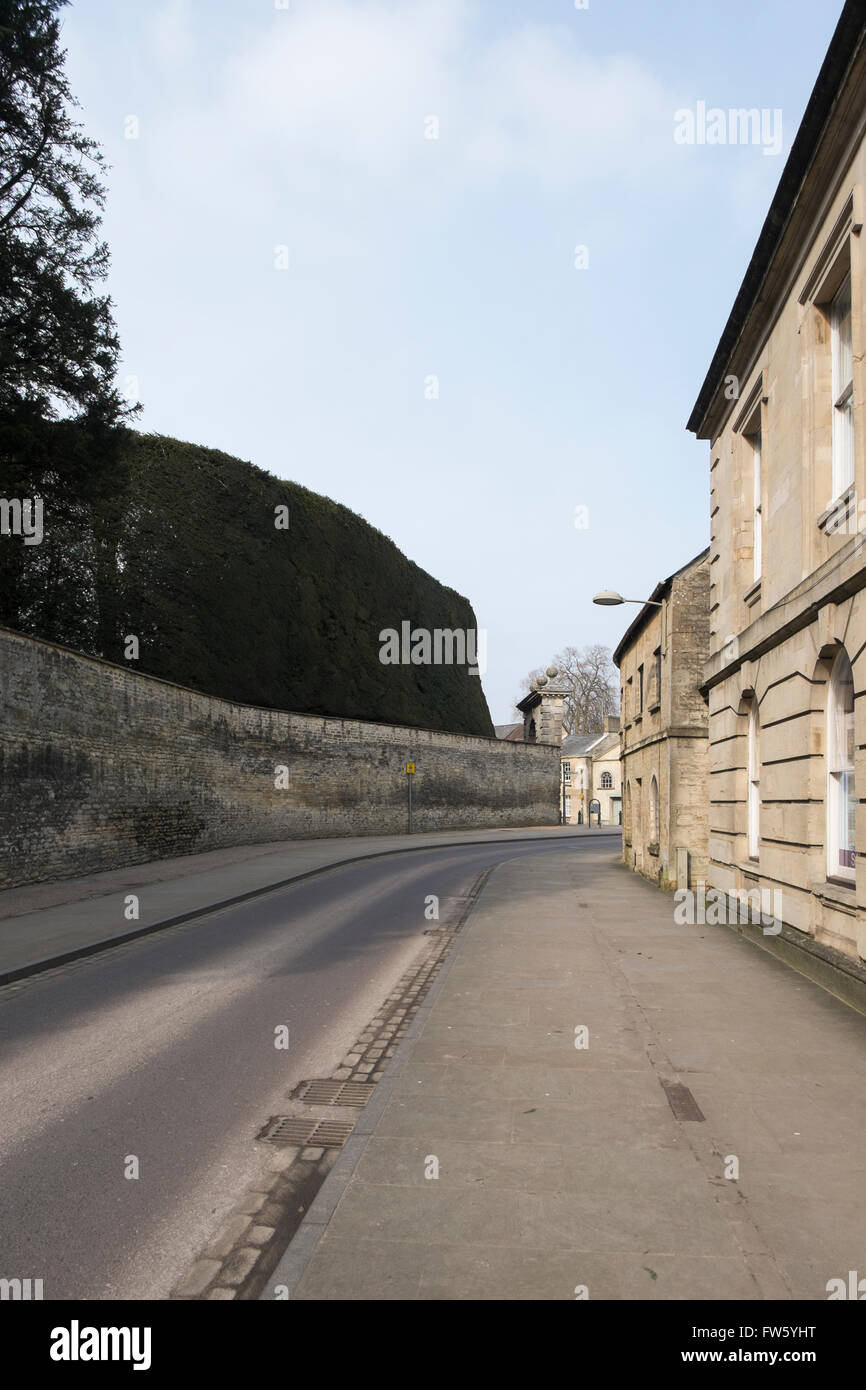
163, 1050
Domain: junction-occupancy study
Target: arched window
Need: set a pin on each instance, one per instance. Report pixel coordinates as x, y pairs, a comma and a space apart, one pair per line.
606, 781
654, 811
841, 798
754, 799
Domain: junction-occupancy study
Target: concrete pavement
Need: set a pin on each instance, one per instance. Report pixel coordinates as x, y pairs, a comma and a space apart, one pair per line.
706, 1143
42, 923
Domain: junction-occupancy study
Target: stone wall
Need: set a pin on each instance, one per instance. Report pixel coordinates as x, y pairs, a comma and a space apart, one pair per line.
102, 767
776, 633
664, 741
784, 664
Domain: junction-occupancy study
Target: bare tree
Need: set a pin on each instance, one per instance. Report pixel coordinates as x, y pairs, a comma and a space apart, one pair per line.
592, 687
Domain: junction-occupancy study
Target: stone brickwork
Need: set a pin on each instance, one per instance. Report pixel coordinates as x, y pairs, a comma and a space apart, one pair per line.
788, 592
543, 708
592, 777
102, 767
789, 682
664, 719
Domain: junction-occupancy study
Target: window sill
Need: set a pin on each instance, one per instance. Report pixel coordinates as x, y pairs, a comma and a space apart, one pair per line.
838, 892
838, 512
751, 596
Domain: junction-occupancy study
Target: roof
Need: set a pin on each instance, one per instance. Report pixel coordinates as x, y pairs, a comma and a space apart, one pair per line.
513, 732
576, 745
845, 45
582, 745
661, 591
605, 743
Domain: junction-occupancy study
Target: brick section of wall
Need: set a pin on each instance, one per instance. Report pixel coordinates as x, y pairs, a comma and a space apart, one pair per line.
101, 767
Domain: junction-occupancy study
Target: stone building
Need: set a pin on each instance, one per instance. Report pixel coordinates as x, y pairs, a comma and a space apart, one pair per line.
782, 408
543, 708
663, 717
512, 733
591, 783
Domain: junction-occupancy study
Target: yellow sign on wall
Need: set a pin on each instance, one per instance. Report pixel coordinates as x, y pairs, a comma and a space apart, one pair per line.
410, 768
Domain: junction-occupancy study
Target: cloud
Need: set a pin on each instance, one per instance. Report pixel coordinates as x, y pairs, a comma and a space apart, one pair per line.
544, 106
310, 125
350, 85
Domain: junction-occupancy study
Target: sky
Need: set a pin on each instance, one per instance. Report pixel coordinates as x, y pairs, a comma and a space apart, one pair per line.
449, 263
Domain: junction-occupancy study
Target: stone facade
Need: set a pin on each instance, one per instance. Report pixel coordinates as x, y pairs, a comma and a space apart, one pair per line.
783, 410
543, 709
102, 767
591, 777
664, 730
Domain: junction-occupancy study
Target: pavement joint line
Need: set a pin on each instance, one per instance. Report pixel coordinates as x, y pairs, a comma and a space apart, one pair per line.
304, 1243
38, 967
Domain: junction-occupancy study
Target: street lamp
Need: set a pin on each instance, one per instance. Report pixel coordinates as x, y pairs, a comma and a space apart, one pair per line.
609, 598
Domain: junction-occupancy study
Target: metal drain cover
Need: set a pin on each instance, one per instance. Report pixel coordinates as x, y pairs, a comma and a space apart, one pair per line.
287, 1129
355, 1093
681, 1101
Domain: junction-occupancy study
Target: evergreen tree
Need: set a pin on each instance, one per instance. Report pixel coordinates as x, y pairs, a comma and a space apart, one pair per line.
60, 411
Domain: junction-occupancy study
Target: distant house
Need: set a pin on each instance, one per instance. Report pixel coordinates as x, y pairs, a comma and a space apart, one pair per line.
512, 732
591, 781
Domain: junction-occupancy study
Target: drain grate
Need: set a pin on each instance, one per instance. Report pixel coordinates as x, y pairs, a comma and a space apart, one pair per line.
681, 1101
287, 1129
328, 1092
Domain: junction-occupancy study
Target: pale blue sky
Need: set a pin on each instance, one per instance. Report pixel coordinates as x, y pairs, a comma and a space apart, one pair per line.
305, 127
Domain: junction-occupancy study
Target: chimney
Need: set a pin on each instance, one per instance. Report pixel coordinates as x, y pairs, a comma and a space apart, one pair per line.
611, 723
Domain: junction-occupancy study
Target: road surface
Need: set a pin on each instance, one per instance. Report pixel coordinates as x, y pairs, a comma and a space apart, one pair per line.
162, 1051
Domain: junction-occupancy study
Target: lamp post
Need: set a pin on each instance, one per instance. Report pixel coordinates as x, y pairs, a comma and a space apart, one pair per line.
609, 598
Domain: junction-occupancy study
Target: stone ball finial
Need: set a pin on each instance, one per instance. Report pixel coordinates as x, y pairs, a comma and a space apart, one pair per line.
542, 680
553, 671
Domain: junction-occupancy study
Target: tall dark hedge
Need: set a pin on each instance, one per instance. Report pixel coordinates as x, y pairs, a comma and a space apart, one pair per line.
185, 555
